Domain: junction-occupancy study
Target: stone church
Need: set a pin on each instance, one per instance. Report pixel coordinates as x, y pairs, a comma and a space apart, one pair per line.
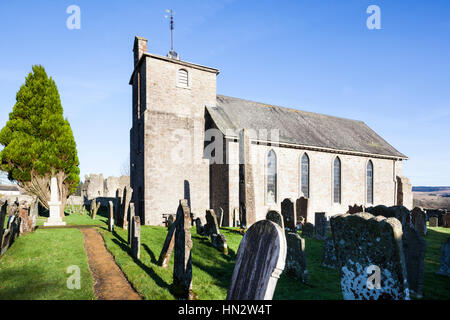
245, 157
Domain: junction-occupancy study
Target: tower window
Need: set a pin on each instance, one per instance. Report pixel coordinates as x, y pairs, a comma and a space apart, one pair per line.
183, 78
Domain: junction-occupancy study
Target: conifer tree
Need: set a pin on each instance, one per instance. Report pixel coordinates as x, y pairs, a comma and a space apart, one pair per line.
38, 142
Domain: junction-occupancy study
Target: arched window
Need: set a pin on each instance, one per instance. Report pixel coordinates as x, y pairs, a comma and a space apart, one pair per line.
183, 79
305, 175
337, 180
271, 177
369, 177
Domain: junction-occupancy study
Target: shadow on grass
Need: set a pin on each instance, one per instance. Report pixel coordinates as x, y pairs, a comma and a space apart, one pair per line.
150, 253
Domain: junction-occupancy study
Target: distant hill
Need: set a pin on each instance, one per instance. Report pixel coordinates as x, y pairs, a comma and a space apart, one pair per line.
431, 197
430, 189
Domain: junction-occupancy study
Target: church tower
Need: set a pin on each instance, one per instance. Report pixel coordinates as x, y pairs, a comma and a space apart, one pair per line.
167, 134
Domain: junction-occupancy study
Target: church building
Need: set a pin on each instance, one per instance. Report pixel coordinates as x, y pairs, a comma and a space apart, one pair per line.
245, 157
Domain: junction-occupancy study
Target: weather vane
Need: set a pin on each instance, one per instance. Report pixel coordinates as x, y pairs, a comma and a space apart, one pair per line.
172, 54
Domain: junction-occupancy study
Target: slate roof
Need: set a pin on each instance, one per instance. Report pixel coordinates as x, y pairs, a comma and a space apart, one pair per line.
300, 127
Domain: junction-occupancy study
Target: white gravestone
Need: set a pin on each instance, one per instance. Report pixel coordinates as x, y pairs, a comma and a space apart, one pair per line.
54, 218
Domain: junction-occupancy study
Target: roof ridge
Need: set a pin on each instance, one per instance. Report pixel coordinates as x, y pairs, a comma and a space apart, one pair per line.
262, 104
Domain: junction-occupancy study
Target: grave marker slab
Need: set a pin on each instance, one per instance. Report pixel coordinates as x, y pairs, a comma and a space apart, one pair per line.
211, 226
320, 225
136, 237
444, 269
111, 217
167, 249
414, 247
368, 247
296, 257
301, 206
419, 219
276, 217
130, 218
308, 230
288, 213
329, 258
182, 270
434, 221
259, 262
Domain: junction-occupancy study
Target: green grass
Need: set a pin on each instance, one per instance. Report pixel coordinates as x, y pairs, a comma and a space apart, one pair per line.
35, 266
212, 270
78, 219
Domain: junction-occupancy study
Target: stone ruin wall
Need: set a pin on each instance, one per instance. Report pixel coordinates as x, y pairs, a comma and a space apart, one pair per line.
95, 186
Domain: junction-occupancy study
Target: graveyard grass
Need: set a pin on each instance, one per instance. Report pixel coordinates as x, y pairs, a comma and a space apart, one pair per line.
35, 266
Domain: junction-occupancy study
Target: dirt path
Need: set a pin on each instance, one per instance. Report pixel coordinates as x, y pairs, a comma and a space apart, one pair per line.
109, 281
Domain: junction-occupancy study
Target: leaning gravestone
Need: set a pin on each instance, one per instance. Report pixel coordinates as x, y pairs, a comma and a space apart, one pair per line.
200, 228
288, 213
414, 250
444, 269
308, 230
167, 249
259, 262
433, 222
170, 220
111, 217
296, 257
320, 225
182, 270
211, 226
136, 237
329, 258
419, 218
276, 217
370, 254
219, 242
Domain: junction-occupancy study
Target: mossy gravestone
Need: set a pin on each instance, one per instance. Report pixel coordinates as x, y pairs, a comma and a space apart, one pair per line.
370, 254
329, 259
259, 262
320, 225
414, 250
296, 258
433, 221
419, 220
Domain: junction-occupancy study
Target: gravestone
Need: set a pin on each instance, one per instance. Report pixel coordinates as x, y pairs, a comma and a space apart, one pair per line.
355, 209
111, 217
3, 212
219, 242
235, 216
320, 225
419, 219
301, 206
34, 213
296, 257
414, 247
246, 183
308, 230
369, 249
117, 207
168, 245
259, 262
182, 270
54, 218
434, 221
94, 208
276, 217
444, 269
288, 213
200, 228
130, 218
136, 237
446, 220
127, 194
402, 214
26, 223
329, 258
170, 220
220, 217
211, 226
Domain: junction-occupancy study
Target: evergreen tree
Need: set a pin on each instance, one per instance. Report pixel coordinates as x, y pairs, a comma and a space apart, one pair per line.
38, 142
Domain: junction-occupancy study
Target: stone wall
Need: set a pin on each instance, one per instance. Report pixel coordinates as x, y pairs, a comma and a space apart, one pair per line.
95, 186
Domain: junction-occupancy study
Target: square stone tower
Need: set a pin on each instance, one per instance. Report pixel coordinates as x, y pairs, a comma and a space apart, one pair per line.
167, 134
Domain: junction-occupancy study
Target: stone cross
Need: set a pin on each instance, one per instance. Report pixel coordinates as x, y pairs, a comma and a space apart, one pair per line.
130, 218
329, 258
370, 255
275, 216
54, 204
182, 269
288, 213
444, 269
259, 262
167, 249
136, 237
320, 226
296, 257
414, 247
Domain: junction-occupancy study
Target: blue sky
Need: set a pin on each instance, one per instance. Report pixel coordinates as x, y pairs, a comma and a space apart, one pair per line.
317, 56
